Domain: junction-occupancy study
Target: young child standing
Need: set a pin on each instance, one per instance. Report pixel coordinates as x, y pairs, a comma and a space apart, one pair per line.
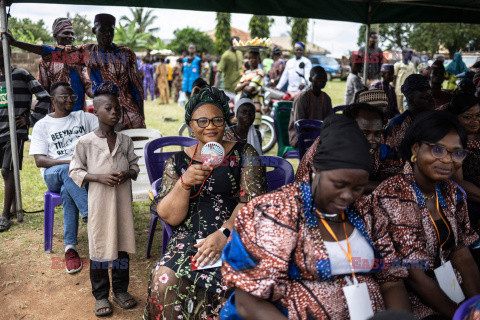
106, 160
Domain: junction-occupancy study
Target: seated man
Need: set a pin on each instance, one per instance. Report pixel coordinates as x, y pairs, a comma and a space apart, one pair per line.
418, 93
385, 85
313, 104
53, 141
437, 76
370, 120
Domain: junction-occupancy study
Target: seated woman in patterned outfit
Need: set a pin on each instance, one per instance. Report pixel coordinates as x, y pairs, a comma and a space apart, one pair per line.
466, 108
200, 202
427, 213
294, 251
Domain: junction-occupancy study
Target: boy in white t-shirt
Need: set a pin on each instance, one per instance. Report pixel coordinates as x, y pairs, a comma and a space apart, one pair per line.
53, 141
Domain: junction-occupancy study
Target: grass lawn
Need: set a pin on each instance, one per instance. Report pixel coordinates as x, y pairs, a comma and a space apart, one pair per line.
33, 286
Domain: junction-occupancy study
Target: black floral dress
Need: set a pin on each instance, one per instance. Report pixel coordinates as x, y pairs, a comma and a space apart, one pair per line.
238, 179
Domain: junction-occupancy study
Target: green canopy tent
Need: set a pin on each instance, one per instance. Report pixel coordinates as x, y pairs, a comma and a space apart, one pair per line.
361, 11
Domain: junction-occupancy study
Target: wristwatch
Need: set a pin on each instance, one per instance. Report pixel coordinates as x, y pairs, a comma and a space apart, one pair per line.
225, 231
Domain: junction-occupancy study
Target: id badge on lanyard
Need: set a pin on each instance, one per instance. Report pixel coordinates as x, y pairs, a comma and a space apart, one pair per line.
446, 278
356, 294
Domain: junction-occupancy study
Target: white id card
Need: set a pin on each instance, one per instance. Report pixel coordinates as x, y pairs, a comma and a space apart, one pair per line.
358, 301
448, 282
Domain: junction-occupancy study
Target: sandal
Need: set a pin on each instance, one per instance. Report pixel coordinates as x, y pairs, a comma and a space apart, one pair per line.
103, 304
4, 224
123, 298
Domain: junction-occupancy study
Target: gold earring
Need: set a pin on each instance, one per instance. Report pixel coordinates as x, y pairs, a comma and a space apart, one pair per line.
413, 159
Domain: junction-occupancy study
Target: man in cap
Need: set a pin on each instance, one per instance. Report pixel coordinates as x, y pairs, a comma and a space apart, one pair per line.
402, 69
387, 71
418, 93
230, 66
374, 57
296, 71
105, 61
57, 70
437, 76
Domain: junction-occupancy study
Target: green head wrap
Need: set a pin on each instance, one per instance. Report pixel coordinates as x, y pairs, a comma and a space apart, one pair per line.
208, 95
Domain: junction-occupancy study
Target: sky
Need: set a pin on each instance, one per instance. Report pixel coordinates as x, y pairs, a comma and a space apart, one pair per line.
335, 36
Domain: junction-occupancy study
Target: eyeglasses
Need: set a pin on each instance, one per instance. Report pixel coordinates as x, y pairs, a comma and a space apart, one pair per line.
440, 152
73, 97
205, 122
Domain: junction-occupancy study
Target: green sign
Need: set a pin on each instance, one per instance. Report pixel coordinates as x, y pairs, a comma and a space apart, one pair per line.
3, 97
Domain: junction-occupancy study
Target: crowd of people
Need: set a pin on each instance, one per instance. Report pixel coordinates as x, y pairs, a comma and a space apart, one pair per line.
383, 214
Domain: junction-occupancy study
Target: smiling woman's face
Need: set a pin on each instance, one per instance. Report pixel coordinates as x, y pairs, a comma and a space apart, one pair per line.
334, 190
435, 169
470, 119
211, 132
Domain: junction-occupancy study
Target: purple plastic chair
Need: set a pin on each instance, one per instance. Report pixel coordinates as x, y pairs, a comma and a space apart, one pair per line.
307, 132
155, 163
51, 201
465, 308
282, 174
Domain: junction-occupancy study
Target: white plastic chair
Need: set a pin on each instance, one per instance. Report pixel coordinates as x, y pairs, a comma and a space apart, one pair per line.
140, 138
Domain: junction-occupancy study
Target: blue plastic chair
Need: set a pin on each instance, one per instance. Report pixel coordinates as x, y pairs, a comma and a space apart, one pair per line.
52, 200
282, 174
465, 308
155, 163
307, 132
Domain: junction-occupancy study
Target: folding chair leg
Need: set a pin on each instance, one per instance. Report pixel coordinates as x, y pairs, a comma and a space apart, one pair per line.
49, 212
151, 233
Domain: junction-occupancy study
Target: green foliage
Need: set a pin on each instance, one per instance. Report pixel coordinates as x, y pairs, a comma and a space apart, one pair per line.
30, 31
82, 27
222, 32
158, 44
184, 37
299, 29
427, 37
129, 37
259, 26
392, 36
143, 18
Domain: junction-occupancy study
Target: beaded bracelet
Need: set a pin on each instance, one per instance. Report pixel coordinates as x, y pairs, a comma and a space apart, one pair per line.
184, 185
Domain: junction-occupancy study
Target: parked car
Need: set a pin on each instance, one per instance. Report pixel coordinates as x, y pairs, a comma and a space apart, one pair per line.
331, 66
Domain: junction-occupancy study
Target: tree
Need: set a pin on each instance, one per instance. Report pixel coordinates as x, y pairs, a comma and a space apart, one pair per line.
299, 29
129, 37
259, 26
222, 32
158, 44
30, 31
143, 18
82, 27
452, 36
391, 35
184, 37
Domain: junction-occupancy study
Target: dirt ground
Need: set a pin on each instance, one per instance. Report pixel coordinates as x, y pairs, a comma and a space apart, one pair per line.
34, 284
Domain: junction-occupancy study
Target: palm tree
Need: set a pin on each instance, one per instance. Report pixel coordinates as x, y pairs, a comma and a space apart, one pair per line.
129, 37
144, 19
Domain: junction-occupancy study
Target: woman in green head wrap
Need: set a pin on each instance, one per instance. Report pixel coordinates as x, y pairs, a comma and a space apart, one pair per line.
200, 202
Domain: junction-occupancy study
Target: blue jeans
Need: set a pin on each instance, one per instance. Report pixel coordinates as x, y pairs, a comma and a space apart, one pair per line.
74, 199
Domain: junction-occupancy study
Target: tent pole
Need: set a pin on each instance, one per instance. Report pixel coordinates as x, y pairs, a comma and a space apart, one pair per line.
365, 52
365, 55
11, 112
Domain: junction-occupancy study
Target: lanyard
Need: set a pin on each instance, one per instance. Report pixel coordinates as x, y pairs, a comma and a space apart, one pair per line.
435, 225
330, 231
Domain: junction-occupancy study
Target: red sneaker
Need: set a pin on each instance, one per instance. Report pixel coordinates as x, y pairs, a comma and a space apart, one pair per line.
73, 263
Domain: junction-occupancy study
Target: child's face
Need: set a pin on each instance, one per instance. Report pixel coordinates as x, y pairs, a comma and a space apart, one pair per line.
253, 60
108, 110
